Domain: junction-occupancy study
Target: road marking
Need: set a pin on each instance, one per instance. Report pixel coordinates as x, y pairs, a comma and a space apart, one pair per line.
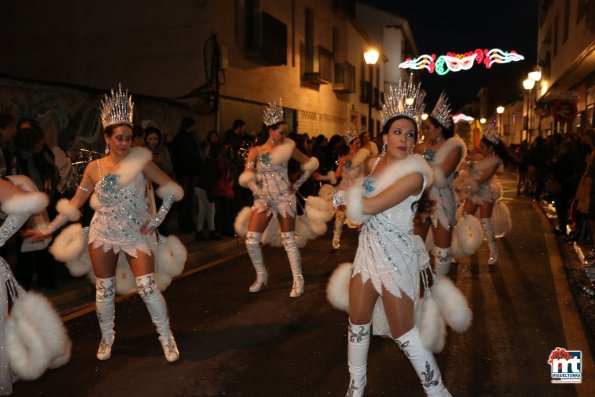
91, 307
571, 323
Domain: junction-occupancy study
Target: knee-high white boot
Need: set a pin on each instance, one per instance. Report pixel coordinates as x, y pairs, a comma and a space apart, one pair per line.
423, 362
358, 342
255, 253
442, 260
338, 230
158, 310
295, 261
105, 296
488, 229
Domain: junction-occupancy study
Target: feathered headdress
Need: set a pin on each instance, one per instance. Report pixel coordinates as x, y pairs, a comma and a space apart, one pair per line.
273, 113
404, 99
117, 108
492, 133
442, 111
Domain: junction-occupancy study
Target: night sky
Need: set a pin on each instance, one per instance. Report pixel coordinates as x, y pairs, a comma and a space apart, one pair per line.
465, 25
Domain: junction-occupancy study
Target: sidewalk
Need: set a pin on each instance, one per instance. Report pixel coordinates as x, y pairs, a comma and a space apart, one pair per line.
581, 278
75, 293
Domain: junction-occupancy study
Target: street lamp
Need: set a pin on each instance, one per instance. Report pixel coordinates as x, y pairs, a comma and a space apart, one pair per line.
482, 120
528, 84
371, 57
500, 110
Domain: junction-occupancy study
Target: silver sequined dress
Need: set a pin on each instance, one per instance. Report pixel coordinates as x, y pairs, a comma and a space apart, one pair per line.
445, 207
124, 209
277, 196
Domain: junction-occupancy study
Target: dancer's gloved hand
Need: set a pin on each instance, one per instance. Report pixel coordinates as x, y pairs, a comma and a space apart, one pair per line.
339, 199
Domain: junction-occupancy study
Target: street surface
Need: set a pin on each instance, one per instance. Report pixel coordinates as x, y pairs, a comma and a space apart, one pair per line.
234, 343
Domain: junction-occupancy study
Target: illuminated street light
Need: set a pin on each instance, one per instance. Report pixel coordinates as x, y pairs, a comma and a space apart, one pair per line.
500, 110
528, 84
535, 75
482, 120
371, 57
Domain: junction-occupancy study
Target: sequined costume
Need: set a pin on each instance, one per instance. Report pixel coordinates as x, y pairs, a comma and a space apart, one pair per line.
271, 170
489, 190
123, 210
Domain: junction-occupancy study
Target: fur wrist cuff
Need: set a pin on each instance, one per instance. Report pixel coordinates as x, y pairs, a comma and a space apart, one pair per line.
67, 209
332, 178
355, 196
311, 165
246, 177
171, 188
26, 203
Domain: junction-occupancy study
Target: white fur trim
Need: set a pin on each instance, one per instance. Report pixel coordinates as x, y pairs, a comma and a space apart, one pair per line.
282, 153
448, 146
311, 165
69, 244
409, 165
170, 188
240, 225
354, 205
171, 256
25, 203
332, 177
453, 304
24, 348
440, 180
326, 192
23, 182
272, 234
66, 208
337, 290
94, 202
362, 155
432, 329
125, 282
246, 177
469, 234
323, 209
132, 164
488, 162
501, 221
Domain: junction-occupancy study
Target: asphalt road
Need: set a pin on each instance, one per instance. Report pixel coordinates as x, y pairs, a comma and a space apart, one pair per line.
234, 343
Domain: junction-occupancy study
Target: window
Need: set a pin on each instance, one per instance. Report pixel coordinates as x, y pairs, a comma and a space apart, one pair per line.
556, 24
566, 20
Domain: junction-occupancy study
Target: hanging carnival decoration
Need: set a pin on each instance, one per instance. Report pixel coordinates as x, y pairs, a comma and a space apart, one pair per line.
453, 62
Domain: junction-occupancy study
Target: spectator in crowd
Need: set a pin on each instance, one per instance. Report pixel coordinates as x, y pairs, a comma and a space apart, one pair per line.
584, 198
538, 156
319, 151
154, 141
186, 168
212, 139
8, 131
236, 135
62, 158
138, 136
224, 190
335, 149
205, 189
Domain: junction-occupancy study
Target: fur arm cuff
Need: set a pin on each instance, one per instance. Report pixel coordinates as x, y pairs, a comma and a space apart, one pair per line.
172, 189
355, 196
440, 180
246, 177
67, 209
132, 164
311, 165
26, 203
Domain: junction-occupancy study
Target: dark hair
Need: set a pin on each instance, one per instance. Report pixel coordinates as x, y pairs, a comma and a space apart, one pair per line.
238, 123
109, 130
186, 123
319, 139
137, 131
210, 134
5, 119
264, 134
387, 125
33, 122
26, 140
156, 131
446, 132
500, 150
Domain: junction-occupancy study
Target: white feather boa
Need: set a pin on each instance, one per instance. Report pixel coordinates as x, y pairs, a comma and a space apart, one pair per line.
447, 147
391, 174
452, 304
501, 219
431, 325
362, 155
35, 337
246, 177
337, 290
311, 165
132, 164
25, 203
170, 188
64, 207
468, 235
282, 153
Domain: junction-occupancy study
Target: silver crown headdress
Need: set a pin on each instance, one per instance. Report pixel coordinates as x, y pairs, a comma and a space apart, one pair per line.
273, 113
442, 111
404, 99
350, 135
117, 108
492, 134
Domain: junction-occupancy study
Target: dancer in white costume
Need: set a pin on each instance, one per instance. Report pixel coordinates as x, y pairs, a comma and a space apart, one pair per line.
32, 337
486, 188
266, 175
122, 221
390, 258
444, 152
350, 170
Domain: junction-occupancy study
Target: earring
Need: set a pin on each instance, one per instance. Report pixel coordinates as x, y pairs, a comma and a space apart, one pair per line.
106, 151
383, 150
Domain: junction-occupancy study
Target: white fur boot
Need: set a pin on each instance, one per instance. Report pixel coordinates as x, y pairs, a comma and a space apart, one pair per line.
295, 261
488, 229
105, 295
147, 289
255, 253
339, 221
442, 260
423, 362
358, 342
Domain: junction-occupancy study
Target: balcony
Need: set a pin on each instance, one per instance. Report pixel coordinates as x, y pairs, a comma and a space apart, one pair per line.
266, 40
319, 65
344, 78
